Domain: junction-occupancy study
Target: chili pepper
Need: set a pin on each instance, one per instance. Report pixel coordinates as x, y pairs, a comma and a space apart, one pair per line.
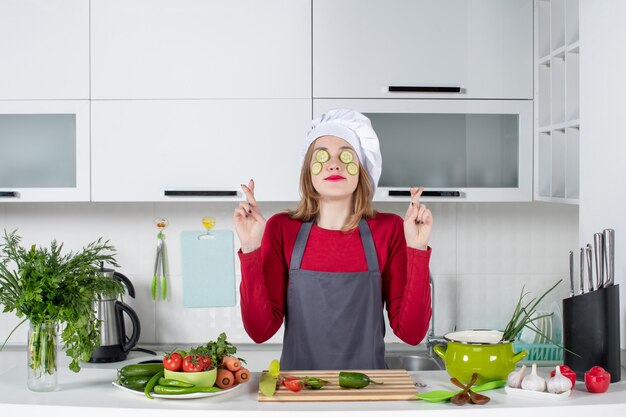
151, 383
355, 380
168, 390
174, 383
314, 383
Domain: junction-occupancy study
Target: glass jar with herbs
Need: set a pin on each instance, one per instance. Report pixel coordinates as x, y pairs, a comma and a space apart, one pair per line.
55, 292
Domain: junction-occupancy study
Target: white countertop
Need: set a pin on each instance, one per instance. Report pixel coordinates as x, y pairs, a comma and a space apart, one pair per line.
90, 393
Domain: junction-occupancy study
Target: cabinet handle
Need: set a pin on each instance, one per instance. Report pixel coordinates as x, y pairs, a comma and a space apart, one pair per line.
9, 194
422, 89
200, 193
407, 193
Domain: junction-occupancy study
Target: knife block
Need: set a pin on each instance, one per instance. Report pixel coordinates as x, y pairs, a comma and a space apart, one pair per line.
591, 329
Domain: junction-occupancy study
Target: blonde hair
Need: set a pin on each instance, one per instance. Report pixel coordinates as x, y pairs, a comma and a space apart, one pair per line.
309, 205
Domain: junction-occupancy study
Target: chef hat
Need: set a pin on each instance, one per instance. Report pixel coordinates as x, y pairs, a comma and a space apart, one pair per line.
354, 128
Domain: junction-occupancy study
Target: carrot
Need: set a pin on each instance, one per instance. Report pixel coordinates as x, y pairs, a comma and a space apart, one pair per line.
225, 378
242, 375
231, 363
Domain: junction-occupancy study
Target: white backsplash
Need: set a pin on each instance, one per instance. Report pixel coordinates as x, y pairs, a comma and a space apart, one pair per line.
483, 253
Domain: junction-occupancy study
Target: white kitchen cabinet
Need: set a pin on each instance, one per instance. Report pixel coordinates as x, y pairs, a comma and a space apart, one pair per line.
557, 101
45, 150
459, 150
44, 47
483, 47
189, 49
201, 150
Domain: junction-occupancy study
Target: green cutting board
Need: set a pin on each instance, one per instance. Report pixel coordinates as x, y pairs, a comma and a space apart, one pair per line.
208, 269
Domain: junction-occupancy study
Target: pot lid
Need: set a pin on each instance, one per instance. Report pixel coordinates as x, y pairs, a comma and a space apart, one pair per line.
476, 337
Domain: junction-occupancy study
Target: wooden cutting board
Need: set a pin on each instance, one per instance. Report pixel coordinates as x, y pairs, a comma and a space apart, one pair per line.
397, 385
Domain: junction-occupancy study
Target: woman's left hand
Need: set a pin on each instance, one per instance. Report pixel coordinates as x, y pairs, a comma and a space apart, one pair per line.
418, 222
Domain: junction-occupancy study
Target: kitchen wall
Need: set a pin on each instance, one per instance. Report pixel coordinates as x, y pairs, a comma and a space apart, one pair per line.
483, 253
602, 115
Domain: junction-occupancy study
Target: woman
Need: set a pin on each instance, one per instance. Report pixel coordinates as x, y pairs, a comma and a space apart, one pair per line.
327, 267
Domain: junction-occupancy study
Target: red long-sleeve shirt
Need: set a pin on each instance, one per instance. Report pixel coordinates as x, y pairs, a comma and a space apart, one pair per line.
405, 273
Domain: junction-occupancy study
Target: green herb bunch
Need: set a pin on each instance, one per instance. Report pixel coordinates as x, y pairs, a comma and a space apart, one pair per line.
523, 315
44, 285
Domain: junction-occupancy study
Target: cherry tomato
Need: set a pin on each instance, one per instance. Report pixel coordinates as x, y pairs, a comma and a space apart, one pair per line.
284, 378
294, 385
597, 380
173, 361
205, 361
566, 371
192, 364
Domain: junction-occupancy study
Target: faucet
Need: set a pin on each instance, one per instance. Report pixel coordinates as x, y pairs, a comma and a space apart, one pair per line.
431, 339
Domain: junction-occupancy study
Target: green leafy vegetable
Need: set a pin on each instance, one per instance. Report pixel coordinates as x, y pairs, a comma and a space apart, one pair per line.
43, 285
216, 350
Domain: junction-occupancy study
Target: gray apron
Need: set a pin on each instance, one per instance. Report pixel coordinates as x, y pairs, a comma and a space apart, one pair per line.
334, 320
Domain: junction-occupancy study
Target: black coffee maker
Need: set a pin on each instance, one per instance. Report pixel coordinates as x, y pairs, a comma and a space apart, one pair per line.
114, 344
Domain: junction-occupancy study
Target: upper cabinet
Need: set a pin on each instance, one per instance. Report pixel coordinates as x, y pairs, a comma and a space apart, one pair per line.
468, 49
197, 150
45, 150
44, 47
459, 150
190, 49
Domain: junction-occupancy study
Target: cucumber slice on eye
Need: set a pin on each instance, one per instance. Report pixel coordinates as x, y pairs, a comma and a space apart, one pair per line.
352, 168
316, 168
322, 156
346, 157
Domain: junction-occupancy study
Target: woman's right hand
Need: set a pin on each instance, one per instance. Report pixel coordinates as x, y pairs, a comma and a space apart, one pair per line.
249, 221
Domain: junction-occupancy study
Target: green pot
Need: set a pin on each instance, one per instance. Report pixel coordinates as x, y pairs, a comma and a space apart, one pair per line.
478, 351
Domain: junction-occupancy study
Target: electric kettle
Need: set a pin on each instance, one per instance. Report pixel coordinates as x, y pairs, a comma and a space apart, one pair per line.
114, 344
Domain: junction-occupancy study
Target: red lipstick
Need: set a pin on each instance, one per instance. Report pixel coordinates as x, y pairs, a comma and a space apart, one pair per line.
334, 178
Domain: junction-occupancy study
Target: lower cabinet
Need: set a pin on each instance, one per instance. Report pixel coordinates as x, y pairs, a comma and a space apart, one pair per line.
197, 150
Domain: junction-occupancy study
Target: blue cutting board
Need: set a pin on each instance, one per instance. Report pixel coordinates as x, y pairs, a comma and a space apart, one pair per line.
208, 269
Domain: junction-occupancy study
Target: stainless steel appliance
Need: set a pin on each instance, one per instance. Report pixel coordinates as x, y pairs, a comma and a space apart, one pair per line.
114, 343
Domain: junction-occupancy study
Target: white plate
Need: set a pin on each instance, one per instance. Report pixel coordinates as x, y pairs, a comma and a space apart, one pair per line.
557, 323
525, 393
179, 396
528, 335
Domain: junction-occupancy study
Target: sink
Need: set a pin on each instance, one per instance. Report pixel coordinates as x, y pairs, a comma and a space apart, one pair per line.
412, 362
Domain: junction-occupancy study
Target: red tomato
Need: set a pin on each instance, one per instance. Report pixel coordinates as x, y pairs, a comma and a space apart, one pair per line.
597, 380
566, 371
192, 364
205, 361
172, 361
294, 385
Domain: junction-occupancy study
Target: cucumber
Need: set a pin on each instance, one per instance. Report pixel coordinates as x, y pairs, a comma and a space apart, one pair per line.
322, 156
352, 168
316, 168
140, 369
346, 157
136, 383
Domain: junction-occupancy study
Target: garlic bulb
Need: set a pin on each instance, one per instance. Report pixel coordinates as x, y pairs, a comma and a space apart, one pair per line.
514, 380
559, 383
534, 382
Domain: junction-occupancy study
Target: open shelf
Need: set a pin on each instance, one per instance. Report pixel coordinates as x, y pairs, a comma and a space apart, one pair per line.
572, 82
557, 101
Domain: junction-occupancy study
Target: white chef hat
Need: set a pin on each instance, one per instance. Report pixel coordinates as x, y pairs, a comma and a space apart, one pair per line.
354, 128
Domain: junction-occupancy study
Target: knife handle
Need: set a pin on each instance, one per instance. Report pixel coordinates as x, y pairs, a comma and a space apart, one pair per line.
581, 272
589, 266
598, 245
609, 255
